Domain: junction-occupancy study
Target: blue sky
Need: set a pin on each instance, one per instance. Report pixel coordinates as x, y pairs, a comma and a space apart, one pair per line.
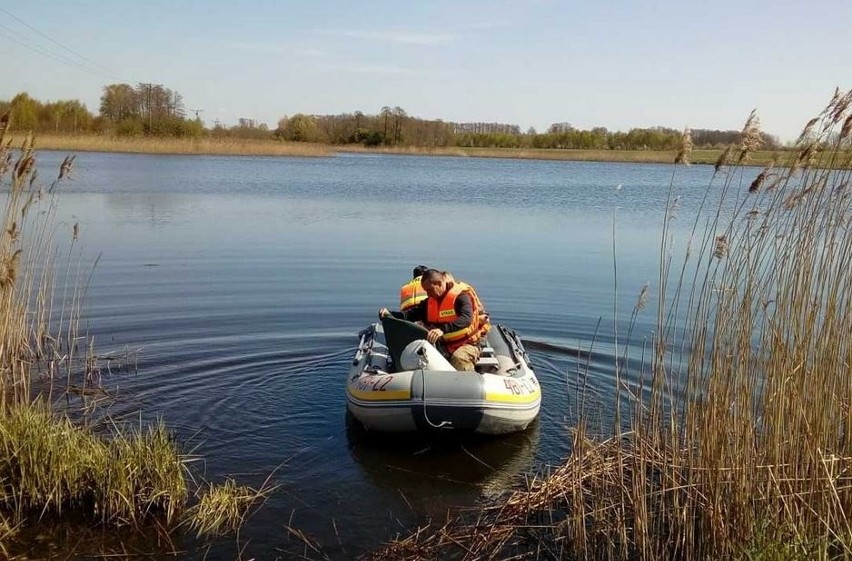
532, 63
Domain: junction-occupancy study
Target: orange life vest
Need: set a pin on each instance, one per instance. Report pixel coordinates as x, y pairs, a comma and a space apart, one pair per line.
411, 294
444, 311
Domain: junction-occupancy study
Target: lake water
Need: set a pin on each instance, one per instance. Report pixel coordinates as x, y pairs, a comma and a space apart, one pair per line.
244, 280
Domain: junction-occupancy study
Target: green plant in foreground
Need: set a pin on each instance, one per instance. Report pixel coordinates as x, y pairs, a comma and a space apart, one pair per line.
222, 508
50, 465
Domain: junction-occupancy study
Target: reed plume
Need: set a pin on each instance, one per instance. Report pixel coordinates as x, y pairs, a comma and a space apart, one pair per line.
846, 129
806, 132
750, 138
759, 180
685, 148
723, 159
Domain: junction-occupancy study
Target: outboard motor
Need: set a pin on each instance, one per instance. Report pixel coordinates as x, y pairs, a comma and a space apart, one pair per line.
398, 334
421, 355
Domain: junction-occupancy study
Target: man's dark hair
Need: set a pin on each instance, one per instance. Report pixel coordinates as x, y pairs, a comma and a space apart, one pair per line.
418, 271
432, 274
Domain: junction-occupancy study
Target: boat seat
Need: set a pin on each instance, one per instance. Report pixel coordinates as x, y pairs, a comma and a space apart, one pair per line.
488, 361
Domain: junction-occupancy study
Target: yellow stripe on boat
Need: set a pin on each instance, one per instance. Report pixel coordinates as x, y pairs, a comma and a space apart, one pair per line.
512, 398
390, 395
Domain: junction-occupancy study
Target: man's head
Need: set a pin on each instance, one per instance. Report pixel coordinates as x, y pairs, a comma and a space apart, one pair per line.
434, 282
418, 271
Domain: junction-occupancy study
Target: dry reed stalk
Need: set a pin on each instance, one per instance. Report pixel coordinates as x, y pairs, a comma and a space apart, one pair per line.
723, 159
307, 541
754, 455
222, 509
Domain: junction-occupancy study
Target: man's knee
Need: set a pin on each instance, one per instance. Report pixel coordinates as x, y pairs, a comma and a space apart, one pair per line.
465, 357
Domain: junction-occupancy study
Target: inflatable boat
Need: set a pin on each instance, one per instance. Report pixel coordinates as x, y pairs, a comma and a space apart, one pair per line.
399, 382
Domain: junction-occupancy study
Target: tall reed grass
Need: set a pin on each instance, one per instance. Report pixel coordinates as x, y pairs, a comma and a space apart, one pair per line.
743, 449
208, 146
49, 465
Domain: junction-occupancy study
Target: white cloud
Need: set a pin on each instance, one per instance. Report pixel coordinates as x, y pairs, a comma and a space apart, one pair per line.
400, 37
313, 53
487, 25
260, 48
277, 49
372, 69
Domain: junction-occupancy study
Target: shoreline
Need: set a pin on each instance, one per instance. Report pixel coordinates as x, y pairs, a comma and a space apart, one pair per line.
253, 147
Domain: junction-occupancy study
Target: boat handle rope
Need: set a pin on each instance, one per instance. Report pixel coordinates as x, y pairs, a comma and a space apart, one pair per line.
442, 424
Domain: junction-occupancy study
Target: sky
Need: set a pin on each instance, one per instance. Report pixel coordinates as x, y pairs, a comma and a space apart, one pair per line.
613, 64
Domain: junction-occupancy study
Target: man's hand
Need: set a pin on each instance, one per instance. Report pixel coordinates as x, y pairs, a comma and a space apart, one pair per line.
383, 312
434, 335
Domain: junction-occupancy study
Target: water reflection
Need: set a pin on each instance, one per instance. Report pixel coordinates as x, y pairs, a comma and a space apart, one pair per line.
79, 539
442, 466
153, 209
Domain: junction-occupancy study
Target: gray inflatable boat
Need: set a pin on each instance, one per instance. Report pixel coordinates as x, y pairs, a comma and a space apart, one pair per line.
399, 382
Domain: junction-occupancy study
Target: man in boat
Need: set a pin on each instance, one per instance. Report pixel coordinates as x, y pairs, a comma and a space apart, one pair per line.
412, 293
454, 315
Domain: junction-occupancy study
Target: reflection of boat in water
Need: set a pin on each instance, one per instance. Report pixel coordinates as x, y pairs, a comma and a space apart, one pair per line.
401, 383
435, 472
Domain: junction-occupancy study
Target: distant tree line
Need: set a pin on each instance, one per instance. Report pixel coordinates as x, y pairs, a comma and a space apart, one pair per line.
125, 110
154, 110
390, 127
394, 127
146, 109
599, 138
56, 117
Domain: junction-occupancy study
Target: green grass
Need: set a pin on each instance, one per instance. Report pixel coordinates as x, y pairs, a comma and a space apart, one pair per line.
221, 509
49, 465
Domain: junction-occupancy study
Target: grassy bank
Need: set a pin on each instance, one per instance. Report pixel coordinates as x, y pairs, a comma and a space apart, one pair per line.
247, 147
735, 442
199, 146
626, 156
51, 467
